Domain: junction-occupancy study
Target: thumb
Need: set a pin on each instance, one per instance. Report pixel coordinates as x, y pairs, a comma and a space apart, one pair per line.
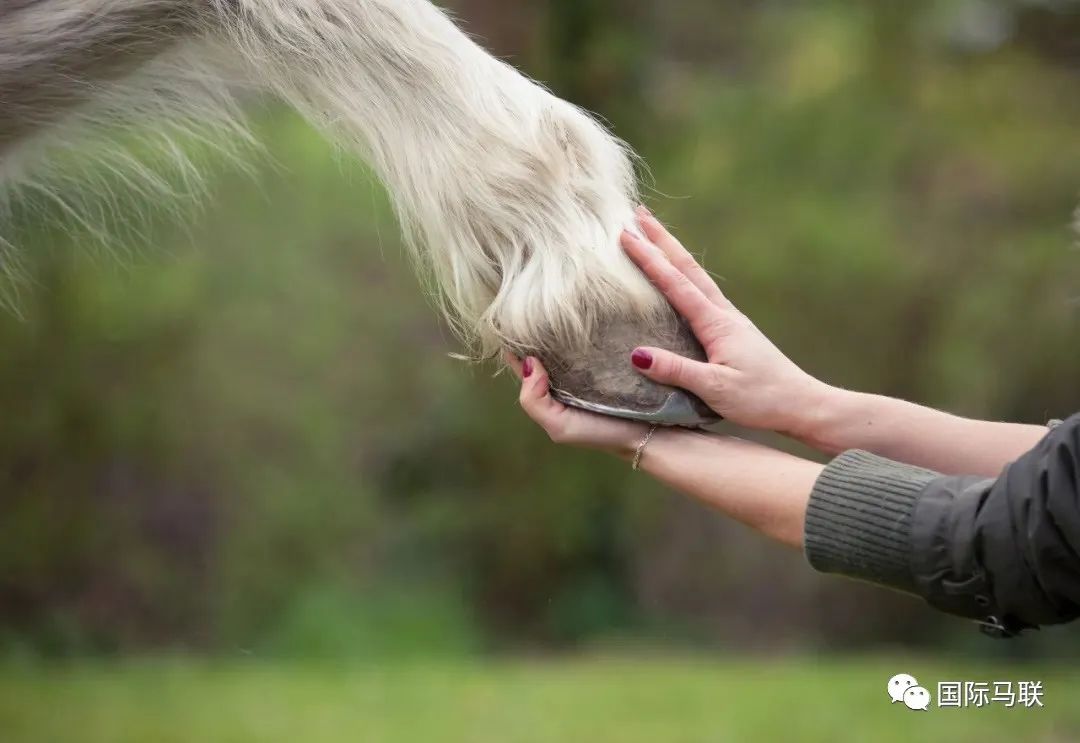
670, 368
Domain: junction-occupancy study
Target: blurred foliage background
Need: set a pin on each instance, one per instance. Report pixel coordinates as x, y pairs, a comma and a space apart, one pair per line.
240, 434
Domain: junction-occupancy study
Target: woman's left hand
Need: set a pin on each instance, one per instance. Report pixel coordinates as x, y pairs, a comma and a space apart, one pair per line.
566, 425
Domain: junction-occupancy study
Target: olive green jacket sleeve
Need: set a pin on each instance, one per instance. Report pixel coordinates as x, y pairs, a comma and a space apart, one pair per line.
1004, 551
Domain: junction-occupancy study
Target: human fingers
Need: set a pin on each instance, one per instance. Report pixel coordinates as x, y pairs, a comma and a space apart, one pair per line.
665, 367
705, 317
680, 257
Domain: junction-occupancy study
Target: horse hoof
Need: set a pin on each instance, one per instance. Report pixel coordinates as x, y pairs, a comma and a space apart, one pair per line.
680, 408
601, 379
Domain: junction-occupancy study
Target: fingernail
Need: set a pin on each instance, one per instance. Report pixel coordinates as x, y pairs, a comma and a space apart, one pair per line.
644, 211
526, 367
641, 358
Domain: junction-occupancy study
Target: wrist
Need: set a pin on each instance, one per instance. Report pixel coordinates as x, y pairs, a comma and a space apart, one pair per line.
626, 448
819, 415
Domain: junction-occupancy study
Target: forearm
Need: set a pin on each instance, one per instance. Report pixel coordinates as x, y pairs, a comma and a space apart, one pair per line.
761, 487
906, 432
1001, 550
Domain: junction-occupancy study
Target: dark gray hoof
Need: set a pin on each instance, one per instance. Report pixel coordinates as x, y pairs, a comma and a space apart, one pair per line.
601, 379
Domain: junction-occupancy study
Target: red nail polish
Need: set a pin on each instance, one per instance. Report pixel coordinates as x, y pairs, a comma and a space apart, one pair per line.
526, 368
641, 358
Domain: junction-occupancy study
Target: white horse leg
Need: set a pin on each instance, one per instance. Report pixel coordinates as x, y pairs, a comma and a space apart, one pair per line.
512, 199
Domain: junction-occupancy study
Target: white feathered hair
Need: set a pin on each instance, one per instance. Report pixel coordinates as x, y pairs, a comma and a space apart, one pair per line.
512, 198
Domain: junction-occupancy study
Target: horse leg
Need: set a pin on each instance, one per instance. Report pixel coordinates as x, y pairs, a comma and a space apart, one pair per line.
512, 199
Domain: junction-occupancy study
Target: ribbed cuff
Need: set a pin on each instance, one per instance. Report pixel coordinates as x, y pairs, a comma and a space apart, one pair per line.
858, 521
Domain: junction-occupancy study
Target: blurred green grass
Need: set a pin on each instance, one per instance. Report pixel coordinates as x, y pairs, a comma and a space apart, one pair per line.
601, 698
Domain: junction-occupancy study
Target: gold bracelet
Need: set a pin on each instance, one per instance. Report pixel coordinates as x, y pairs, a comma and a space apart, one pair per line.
641, 447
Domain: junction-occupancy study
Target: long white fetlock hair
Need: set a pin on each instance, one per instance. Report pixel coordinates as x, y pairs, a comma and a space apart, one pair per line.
512, 198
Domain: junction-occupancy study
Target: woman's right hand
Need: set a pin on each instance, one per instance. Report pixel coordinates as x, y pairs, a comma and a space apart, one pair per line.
747, 379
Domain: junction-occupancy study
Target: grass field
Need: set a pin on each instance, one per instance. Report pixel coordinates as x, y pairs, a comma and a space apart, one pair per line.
630, 700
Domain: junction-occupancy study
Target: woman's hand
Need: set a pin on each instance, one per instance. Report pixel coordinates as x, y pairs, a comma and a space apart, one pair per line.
754, 484
747, 379
565, 425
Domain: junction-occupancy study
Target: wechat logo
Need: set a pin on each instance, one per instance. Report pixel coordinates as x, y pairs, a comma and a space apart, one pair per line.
904, 688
